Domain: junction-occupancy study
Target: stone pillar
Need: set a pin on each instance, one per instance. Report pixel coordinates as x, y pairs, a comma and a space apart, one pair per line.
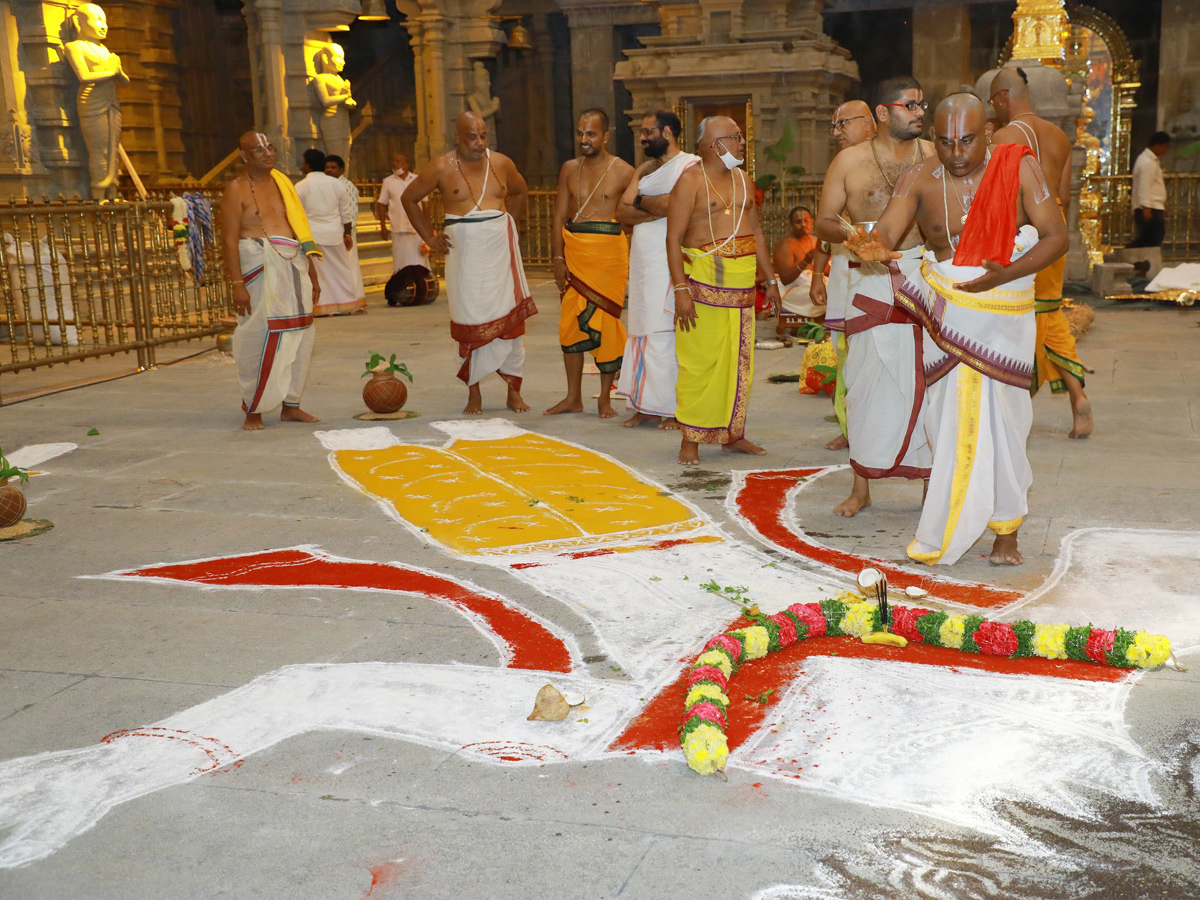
264, 21
594, 48
21, 174
1179, 78
941, 49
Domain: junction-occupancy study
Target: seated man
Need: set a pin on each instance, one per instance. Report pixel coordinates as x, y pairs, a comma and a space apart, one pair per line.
794, 264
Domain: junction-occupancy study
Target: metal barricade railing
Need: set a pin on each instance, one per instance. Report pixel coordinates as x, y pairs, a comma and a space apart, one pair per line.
81, 280
1182, 239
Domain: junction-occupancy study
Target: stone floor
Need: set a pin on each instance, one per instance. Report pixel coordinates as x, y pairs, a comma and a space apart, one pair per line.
384, 808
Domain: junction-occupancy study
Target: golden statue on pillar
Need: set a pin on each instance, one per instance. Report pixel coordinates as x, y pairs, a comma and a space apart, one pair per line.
333, 92
99, 72
1040, 30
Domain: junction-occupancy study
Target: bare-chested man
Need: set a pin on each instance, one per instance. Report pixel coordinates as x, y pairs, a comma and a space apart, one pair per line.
1056, 359
484, 197
591, 262
851, 124
974, 295
267, 244
712, 221
884, 395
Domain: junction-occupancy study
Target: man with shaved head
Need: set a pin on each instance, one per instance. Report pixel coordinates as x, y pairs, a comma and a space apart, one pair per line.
882, 369
266, 241
990, 224
484, 197
851, 125
1055, 358
714, 244
590, 256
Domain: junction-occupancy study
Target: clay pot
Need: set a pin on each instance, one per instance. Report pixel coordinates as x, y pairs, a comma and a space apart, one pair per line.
12, 504
384, 393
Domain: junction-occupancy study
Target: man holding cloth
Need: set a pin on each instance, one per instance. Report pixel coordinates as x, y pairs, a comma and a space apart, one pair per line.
991, 224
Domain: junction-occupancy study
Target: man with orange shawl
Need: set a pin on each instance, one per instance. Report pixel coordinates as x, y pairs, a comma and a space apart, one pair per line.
974, 296
714, 243
265, 237
591, 262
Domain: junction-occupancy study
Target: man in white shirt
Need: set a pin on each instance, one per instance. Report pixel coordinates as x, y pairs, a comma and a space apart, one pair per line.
407, 247
1149, 196
335, 167
331, 215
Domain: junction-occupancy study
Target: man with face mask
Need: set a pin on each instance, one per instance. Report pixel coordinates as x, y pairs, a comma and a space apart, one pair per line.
267, 243
714, 244
991, 224
882, 373
590, 261
407, 249
649, 371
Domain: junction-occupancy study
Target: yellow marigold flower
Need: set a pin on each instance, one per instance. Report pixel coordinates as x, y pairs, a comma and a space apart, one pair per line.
951, 632
757, 641
1148, 650
850, 598
718, 659
701, 692
1050, 641
859, 619
706, 749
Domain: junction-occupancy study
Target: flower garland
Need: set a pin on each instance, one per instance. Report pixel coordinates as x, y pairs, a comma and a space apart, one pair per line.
706, 705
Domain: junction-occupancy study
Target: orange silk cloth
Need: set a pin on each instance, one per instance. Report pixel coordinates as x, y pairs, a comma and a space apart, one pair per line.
991, 228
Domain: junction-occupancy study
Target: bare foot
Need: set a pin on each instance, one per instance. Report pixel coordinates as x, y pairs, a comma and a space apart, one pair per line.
859, 499
1005, 552
669, 424
253, 422
689, 453
640, 419
1083, 420
566, 405
474, 405
296, 414
744, 446
838, 443
516, 402
605, 408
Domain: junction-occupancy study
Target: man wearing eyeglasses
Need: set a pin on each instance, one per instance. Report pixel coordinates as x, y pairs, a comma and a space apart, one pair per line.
882, 372
650, 370
991, 224
1055, 358
852, 123
267, 243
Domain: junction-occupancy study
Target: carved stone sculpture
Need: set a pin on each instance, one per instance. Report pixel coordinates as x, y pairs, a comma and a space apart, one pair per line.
99, 72
333, 92
483, 103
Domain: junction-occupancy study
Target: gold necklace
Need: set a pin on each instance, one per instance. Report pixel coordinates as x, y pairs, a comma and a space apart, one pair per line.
728, 206
964, 206
916, 159
258, 215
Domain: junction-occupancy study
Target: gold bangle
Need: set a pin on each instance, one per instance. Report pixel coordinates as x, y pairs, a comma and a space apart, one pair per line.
232, 283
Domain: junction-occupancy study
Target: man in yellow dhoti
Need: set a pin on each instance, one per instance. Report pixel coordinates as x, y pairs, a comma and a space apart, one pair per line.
265, 236
1055, 358
974, 296
714, 242
591, 262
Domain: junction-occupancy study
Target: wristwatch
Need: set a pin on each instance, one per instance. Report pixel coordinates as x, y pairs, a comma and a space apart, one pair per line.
637, 201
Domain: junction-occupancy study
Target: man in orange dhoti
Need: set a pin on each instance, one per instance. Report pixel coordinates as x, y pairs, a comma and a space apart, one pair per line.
591, 262
1055, 358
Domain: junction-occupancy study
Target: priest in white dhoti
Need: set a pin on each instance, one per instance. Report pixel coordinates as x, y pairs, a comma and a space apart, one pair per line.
484, 197
982, 213
650, 369
408, 250
266, 242
335, 167
331, 214
794, 257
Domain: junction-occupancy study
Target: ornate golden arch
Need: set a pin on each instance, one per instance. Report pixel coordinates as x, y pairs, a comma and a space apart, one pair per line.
1125, 74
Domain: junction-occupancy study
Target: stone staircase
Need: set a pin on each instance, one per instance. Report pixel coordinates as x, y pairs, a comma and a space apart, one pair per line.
374, 254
